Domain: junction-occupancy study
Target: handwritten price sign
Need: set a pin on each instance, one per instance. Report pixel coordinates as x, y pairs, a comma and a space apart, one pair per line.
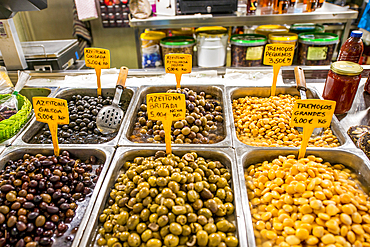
178, 64
278, 55
166, 107
311, 114
98, 59
53, 112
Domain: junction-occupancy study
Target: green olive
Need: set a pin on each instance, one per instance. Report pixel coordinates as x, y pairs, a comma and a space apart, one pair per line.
223, 225
102, 218
162, 220
229, 208
221, 193
137, 208
122, 218
144, 192
11, 196
180, 201
195, 227
186, 230
174, 186
181, 219
179, 210
167, 193
192, 195
154, 243
223, 236
124, 236
134, 240
101, 242
221, 210
4, 209
211, 205
192, 217
198, 204
206, 212
198, 186
202, 238
164, 231
229, 196
171, 217
147, 201
214, 240
146, 235
152, 180
210, 228
231, 241
140, 228
161, 181
162, 210
112, 241
202, 220
133, 221
171, 240
108, 227
153, 218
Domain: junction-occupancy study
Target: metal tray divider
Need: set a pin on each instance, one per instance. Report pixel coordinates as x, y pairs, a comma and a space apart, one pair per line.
108, 151
10, 141
129, 153
247, 154
35, 126
145, 89
337, 129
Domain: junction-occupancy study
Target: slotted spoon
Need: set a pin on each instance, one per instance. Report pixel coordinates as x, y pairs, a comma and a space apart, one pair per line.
110, 117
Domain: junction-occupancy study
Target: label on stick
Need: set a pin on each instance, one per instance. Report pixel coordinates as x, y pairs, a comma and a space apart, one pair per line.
312, 113
97, 58
178, 64
278, 54
51, 110
161, 106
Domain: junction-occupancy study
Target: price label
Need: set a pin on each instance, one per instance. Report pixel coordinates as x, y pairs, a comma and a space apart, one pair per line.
278, 55
98, 59
311, 114
178, 64
166, 107
53, 112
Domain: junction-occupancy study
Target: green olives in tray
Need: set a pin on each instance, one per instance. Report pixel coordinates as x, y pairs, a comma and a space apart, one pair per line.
169, 200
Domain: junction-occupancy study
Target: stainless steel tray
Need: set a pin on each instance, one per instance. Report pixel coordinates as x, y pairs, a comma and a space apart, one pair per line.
226, 156
31, 92
84, 210
66, 93
264, 91
353, 159
217, 90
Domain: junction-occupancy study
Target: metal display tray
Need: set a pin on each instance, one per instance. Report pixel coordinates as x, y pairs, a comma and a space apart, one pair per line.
29, 93
216, 90
353, 159
225, 155
264, 91
84, 209
66, 93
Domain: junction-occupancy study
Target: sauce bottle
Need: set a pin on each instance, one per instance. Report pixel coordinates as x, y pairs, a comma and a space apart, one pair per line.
283, 6
341, 84
352, 49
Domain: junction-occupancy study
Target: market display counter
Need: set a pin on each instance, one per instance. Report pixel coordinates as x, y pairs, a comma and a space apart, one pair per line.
123, 177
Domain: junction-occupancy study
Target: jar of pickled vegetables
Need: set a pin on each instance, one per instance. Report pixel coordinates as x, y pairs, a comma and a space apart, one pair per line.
341, 84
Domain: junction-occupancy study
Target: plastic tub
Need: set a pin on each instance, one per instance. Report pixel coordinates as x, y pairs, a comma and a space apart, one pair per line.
185, 31
150, 50
177, 44
211, 46
306, 27
283, 38
267, 29
316, 48
247, 50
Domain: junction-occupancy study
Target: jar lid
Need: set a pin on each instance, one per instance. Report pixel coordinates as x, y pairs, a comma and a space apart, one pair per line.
283, 37
271, 29
346, 68
177, 40
248, 39
211, 30
152, 35
306, 27
322, 38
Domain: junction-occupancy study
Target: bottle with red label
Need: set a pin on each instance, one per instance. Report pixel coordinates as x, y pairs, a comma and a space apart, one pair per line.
352, 49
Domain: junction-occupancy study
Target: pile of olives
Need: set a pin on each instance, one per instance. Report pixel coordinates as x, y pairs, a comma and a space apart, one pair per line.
82, 126
170, 201
39, 197
202, 124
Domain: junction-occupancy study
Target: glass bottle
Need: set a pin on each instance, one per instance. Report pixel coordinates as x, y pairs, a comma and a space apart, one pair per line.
283, 6
311, 5
292, 3
320, 3
251, 7
352, 49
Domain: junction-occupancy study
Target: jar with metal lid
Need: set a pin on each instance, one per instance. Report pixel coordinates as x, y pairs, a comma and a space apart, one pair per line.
211, 46
247, 50
150, 50
316, 48
341, 84
177, 44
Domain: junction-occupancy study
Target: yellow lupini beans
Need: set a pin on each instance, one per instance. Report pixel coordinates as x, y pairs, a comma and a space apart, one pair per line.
265, 122
323, 207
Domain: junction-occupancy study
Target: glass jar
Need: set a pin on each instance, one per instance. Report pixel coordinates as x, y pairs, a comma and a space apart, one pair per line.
247, 50
341, 84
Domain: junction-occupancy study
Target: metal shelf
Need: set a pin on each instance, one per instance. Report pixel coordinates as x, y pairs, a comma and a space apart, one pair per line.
328, 13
